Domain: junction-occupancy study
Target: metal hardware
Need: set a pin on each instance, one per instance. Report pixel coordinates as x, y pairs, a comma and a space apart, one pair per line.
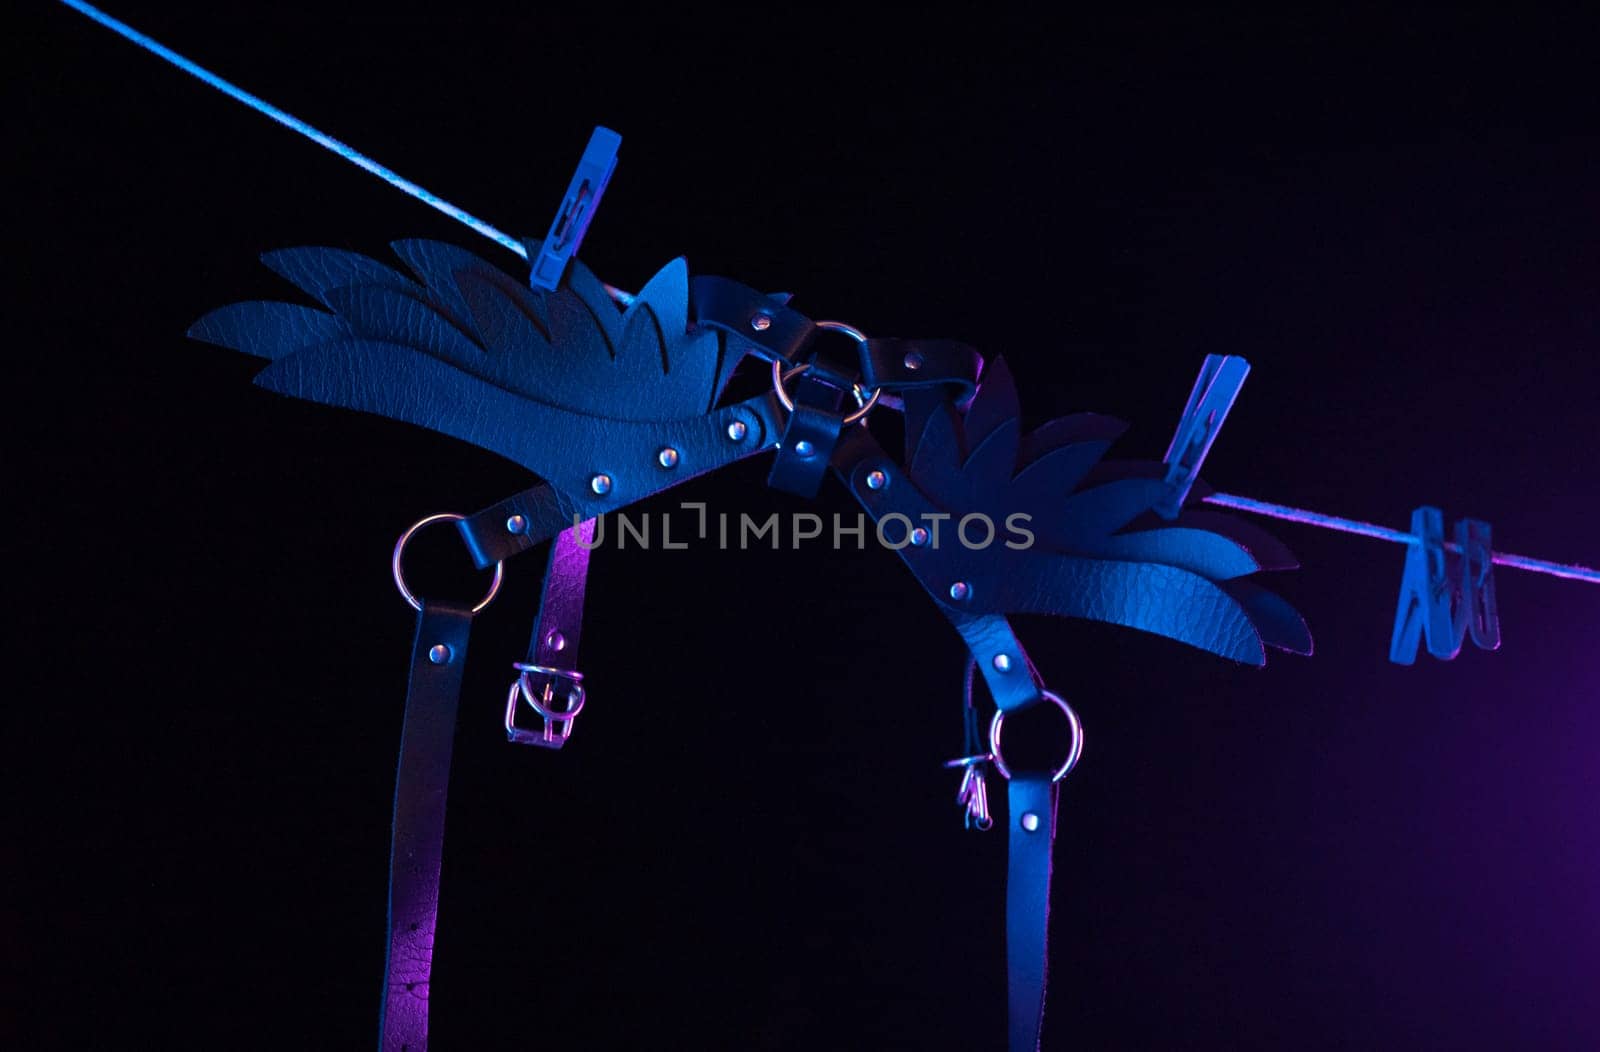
973, 794
400, 577
864, 401
542, 699
1074, 751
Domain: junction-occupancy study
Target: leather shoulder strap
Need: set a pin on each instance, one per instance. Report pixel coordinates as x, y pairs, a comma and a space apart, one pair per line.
437, 658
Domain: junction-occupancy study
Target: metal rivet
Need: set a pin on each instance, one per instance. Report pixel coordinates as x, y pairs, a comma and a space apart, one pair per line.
601, 484
803, 448
1002, 662
439, 654
960, 590
516, 524
877, 480
913, 360
556, 641
761, 322
919, 536
737, 430
667, 458
1030, 821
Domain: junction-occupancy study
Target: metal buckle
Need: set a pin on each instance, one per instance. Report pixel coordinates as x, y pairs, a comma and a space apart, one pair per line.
541, 696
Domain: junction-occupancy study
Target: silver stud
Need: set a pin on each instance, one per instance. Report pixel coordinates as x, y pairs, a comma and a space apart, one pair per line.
667, 458
804, 449
877, 480
737, 430
761, 322
556, 641
960, 590
439, 654
1030, 821
1002, 662
919, 536
516, 524
601, 484
913, 360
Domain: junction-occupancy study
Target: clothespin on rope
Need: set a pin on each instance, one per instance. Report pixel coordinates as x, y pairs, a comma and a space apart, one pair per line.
1445, 596
1215, 391
577, 209
1447, 592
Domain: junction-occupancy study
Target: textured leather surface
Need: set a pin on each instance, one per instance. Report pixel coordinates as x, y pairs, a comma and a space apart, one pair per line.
564, 383
543, 513
906, 365
724, 305
629, 454
987, 636
815, 421
1028, 906
1096, 551
565, 449
802, 460
560, 620
416, 847
1168, 600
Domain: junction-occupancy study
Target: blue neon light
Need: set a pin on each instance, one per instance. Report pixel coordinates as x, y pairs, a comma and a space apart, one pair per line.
295, 124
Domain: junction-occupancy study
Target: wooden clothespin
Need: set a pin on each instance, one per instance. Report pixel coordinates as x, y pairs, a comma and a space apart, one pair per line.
1447, 591
577, 209
1215, 391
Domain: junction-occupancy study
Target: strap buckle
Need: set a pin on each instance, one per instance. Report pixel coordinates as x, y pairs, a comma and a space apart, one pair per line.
543, 688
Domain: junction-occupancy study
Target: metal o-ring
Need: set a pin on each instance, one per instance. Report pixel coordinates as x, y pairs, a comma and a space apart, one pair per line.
1074, 751
400, 577
780, 376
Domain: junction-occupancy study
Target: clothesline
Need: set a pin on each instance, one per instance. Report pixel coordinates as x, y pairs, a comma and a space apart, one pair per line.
1569, 571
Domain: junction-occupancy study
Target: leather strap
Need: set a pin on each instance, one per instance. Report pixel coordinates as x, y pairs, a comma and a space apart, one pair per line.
560, 620
703, 444
912, 365
437, 658
809, 437
728, 306
989, 636
492, 534
1032, 803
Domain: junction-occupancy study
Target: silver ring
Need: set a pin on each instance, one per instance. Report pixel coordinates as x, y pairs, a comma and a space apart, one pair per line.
781, 376
400, 577
1073, 752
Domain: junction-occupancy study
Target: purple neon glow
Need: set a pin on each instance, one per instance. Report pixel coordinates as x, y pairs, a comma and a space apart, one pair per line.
1570, 571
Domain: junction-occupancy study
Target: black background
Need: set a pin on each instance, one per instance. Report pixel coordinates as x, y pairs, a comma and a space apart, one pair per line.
750, 843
